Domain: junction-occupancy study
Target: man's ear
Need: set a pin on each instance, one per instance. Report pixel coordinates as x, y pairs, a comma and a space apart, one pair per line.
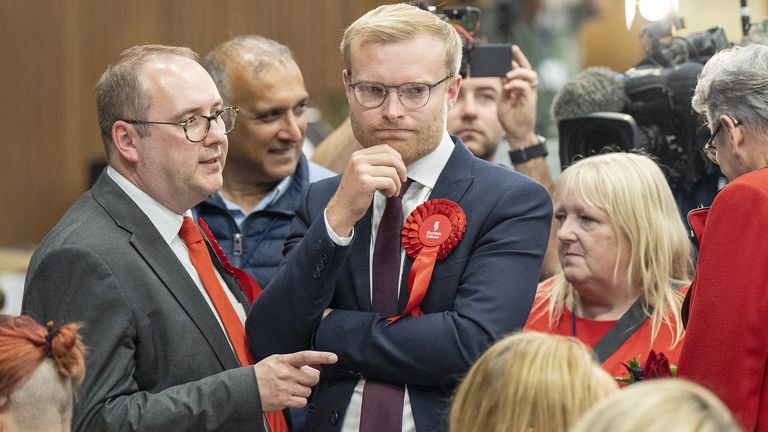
453, 90
346, 78
125, 140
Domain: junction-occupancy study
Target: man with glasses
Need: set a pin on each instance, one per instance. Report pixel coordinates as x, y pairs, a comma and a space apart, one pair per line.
266, 171
346, 272
162, 317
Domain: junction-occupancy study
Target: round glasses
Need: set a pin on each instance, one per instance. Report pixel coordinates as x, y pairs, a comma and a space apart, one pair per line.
196, 128
411, 95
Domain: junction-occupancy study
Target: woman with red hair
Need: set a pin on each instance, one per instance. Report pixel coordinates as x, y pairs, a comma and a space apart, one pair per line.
40, 369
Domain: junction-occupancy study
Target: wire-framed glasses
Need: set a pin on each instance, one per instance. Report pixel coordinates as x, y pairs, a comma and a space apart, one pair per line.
196, 128
412, 95
710, 149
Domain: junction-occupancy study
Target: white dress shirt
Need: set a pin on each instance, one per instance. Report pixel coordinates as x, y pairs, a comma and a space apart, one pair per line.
424, 173
168, 223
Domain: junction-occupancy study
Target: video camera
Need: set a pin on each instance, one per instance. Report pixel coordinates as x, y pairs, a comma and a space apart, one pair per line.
477, 60
657, 116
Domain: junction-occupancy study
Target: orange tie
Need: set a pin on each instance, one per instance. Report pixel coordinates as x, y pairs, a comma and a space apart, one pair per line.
198, 254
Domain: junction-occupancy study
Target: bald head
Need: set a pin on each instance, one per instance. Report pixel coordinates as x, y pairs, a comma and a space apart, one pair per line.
250, 53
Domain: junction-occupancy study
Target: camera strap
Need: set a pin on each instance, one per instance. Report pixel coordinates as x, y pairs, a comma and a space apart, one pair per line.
625, 327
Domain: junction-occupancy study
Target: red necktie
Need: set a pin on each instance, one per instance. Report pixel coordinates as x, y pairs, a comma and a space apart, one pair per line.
198, 254
382, 406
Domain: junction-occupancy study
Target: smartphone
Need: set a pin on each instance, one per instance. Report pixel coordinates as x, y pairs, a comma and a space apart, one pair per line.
492, 60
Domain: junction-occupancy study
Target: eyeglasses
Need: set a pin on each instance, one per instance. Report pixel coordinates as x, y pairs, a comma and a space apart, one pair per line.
196, 128
411, 95
709, 148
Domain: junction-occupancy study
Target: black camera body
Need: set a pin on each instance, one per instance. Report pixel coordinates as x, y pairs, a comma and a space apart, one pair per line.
477, 60
657, 117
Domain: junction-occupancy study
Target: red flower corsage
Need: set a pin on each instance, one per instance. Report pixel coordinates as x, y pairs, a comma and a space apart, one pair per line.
429, 234
250, 287
656, 366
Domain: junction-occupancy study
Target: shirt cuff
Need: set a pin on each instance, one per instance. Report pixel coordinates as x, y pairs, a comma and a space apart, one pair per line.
340, 241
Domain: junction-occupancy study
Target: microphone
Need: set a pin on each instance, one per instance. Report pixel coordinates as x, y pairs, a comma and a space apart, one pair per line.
595, 89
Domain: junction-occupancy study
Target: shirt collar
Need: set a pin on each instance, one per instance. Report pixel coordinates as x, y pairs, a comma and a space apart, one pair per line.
165, 220
268, 200
427, 169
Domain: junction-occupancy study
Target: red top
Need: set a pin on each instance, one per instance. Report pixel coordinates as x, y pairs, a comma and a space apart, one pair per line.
726, 346
591, 331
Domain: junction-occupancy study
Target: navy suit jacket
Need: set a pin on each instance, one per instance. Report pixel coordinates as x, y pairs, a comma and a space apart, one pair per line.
480, 292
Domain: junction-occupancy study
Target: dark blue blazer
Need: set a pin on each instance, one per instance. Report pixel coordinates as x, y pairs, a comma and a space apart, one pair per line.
482, 291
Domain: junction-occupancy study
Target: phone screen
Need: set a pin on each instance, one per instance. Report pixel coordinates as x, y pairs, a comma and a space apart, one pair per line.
492, 60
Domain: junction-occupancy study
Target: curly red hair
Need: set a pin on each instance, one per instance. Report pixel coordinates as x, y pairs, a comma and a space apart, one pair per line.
24, 344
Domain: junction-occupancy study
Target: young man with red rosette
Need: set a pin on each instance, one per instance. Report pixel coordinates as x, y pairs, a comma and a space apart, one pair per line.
341, 288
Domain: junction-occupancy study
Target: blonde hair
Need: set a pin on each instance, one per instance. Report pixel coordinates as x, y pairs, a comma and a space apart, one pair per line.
633, 192
401, 22
529, 381
662, 404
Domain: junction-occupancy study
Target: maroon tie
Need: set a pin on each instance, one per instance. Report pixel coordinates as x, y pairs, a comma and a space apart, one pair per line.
382, 408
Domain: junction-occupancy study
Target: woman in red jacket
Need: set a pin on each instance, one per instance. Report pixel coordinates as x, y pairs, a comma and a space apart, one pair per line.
624, 253
726, 345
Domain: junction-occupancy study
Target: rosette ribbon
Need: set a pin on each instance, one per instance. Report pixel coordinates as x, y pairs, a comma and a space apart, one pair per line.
429, 234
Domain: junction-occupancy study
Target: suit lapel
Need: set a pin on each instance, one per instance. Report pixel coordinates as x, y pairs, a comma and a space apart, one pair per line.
160, 258
452, 184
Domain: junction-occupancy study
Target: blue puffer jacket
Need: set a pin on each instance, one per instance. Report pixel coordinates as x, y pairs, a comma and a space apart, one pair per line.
258, 248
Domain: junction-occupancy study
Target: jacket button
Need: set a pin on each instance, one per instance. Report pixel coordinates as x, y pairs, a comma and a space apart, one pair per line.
316, 274
324, 257
320, 266
334, 417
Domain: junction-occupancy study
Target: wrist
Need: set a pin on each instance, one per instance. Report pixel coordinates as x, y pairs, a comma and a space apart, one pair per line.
538, 149
521, 141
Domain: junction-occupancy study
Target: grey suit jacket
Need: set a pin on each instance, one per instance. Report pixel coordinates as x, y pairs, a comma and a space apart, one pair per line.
156, 358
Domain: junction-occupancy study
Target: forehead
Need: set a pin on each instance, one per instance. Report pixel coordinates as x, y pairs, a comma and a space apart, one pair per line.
418, 59
178, 84
277, 85
472, 85
574, 195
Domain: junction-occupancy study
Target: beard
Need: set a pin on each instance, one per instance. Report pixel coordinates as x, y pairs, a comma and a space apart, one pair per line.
421, 139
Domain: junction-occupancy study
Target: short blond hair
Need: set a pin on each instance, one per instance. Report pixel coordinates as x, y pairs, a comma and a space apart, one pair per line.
631, 189
401, 22
529, 381
662, 404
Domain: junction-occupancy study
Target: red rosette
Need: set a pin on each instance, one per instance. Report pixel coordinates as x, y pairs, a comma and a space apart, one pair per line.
250, 287
429, 234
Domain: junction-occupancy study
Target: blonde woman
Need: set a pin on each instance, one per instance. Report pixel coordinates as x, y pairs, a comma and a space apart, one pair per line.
624, 254
529, 381
659, 405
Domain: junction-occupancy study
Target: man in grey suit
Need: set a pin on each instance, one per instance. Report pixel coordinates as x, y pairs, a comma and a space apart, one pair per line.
158, 356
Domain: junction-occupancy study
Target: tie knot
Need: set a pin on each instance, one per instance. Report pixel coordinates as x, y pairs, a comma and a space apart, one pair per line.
189, 233
404, 187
